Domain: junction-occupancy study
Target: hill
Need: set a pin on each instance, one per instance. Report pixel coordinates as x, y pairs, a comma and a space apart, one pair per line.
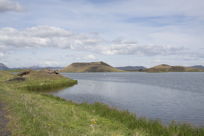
198, 66
168, 68
3, 67
131, 68
90, 67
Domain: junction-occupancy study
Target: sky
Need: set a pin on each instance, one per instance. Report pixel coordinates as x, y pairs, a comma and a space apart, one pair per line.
119, 32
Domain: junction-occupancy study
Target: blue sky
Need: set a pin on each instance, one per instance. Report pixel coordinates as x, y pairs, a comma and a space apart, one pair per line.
119, 32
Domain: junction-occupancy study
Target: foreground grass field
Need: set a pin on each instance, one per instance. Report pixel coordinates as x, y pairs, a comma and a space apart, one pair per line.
34, 113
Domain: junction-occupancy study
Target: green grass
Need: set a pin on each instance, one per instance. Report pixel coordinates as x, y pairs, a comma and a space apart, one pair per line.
34, 113
42, 81
4, 75
47, 85
152, 127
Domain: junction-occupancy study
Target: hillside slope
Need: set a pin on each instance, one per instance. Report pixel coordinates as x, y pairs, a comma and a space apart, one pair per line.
90, 67
168, 68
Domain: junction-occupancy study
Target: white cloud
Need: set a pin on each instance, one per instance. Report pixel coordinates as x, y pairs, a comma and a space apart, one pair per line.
47, 36
49, 63
1, 54
163, 29
9, 5
82, 57
131, 48
90, 57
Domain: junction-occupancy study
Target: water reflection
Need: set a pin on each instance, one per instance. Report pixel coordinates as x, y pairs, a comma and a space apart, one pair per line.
152, 99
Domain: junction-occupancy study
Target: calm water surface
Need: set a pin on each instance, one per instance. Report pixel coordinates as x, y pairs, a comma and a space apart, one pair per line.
163, 96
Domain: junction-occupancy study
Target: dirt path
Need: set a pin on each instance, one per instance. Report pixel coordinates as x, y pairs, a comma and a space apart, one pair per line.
3, 122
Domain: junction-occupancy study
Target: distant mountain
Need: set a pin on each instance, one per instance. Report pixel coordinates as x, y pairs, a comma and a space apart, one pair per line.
198, 66
168, 68
90, 67
131, 68
39, 68
3, 67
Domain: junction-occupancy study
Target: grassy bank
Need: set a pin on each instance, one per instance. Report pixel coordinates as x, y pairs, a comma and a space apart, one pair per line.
42, 81
33, 113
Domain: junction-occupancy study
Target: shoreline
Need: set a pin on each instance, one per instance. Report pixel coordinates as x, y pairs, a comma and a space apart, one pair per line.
122, 110
36, 113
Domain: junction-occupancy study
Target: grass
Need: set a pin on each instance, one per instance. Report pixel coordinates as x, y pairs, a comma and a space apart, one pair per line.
47, 85
152, 127
4, 75
42, 81
34, 113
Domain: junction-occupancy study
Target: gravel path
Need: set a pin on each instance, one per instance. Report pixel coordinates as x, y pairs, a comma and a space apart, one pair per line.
3, 122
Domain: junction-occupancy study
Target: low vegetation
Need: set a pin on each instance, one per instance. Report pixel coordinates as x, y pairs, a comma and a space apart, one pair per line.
150, 127
4, 75
43, 80
34, 113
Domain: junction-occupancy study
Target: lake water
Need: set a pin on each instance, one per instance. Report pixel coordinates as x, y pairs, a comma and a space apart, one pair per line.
164, 96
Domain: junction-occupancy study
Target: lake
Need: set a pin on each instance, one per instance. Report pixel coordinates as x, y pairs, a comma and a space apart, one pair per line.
175, 96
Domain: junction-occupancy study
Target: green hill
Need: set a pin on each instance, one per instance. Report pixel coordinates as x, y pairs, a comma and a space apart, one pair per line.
90, 67
168, 68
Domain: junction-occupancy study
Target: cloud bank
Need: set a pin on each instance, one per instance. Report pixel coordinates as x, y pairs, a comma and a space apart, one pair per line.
150, 32
48, 36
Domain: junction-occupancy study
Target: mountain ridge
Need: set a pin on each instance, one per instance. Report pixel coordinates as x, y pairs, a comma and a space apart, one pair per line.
198, 66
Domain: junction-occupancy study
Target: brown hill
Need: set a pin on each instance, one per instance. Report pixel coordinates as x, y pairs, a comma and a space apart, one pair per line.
90, 67
168, 68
